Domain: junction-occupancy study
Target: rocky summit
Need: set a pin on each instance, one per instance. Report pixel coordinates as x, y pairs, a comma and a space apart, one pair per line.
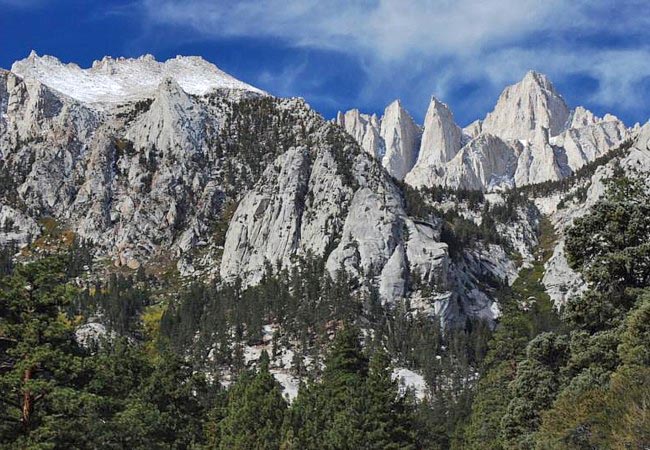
531, 137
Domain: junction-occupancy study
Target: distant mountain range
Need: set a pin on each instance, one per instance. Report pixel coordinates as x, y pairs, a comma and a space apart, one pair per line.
530, 137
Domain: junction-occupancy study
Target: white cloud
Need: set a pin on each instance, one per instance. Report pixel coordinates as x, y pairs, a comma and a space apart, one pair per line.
387, 29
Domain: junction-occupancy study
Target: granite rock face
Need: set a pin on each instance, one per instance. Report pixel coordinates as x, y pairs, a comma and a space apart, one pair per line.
393, 139
590, 137
486, 162
135, 177
548, 140
401, 137
441, 141
527, 107
364, 128
560, 280
177, 160
148, 169
305, 204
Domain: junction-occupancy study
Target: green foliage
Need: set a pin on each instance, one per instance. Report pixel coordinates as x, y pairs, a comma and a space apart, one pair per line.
120, 302
634, 348
7, 259
256, 130
610, 246
254, 413
527, 312
543, 384
57, 395
419, 203
305, 301
534, 389
145, 404
355, 405
133, 111
307, 306
458, 232
390, 416
39, 358
596, 417
603, 399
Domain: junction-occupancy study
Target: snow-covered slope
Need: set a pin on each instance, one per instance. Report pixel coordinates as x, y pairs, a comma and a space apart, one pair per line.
114, 80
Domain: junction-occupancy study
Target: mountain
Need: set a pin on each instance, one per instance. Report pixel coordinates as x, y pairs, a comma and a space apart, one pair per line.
146, 174
525, 108
441, 141
548, 140
364, 129
185, 211
113, 80
145, 159
401, 136
392, 138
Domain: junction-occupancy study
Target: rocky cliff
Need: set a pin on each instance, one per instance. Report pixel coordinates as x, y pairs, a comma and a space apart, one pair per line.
548, 140
179, 162
191, 166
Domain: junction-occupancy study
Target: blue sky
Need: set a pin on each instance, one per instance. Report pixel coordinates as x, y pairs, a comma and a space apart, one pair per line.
342, 54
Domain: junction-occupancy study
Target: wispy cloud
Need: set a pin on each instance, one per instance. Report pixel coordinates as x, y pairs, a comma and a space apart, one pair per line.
433, 45
387, 29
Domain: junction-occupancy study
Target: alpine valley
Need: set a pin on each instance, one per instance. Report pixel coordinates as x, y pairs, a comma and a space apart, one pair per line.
188, 261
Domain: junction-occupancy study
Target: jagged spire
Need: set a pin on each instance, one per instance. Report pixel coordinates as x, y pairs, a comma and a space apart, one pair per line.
441, 137
525, 107
401, 137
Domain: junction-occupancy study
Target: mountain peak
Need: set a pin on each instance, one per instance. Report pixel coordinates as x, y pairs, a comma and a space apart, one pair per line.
115, 80
441, 141
397, 103
397, 108
437, 105
526, 107
169, 85
539, 80
401, 137
364, 128
537, 77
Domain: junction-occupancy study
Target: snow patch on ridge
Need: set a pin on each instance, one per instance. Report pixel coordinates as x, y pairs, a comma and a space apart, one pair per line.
114, 80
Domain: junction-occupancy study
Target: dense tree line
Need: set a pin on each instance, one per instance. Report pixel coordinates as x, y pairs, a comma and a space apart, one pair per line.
355, 405
256, 130
56, 394
577, 379
583, 383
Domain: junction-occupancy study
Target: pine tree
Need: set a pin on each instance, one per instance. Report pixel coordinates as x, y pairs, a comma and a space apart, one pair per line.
254, 413
389, 418
40, 361
535, 387
331, 414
